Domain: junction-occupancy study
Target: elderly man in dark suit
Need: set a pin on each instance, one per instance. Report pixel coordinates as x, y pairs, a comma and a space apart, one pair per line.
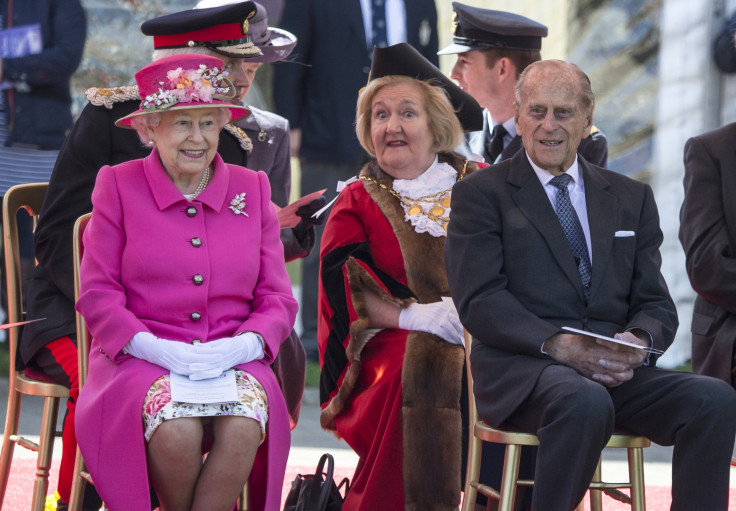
708, 235
335, 40
547, 240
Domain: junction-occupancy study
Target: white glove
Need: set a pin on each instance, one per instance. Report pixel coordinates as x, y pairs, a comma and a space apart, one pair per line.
438, 318
233, 351
177, 357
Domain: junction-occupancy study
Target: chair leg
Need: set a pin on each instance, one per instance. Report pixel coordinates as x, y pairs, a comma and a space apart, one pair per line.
45, 452
243, 499
596, 500
470, 494
78, 484
11, 428
636, 477
510, 477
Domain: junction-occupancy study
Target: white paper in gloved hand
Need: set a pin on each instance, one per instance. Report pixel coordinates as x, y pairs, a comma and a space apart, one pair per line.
438, 318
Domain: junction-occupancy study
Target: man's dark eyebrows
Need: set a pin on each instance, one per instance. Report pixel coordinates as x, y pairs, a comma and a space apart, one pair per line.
566, 108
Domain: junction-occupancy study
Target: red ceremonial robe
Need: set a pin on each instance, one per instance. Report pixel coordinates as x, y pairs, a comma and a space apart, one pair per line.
376, 385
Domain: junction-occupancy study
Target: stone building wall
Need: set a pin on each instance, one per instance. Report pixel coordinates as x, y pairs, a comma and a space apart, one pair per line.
115, 47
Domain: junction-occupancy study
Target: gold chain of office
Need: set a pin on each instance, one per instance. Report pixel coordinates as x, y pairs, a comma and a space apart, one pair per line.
437, 203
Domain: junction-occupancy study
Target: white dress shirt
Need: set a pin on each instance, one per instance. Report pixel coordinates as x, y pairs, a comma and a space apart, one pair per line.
576, 187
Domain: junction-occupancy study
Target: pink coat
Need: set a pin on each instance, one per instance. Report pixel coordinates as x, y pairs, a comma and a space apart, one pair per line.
143, 245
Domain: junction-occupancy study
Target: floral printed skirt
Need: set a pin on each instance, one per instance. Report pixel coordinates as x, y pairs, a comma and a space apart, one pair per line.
158, 406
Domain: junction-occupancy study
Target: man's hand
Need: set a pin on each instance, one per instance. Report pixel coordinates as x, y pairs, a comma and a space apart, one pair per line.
602, 361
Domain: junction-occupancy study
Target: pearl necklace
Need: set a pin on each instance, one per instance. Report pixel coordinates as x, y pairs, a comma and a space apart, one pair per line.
201, 186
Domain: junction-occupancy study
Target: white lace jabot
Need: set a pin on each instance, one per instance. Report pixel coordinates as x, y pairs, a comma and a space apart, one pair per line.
426, 199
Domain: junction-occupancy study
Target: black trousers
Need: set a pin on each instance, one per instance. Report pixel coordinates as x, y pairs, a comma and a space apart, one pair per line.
574, 417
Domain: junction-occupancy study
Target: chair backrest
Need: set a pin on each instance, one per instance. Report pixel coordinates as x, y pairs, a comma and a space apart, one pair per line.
83, 338
30, 198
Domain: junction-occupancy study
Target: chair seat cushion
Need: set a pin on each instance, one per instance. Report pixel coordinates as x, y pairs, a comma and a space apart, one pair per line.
36, 374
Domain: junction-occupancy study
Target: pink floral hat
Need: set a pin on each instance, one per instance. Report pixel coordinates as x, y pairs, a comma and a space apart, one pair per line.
181, 82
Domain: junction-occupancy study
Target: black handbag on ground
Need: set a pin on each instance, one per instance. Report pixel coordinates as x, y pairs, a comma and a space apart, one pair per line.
318, 491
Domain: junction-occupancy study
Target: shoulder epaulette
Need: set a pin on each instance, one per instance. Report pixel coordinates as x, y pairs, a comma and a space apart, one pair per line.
245, 142
106, 97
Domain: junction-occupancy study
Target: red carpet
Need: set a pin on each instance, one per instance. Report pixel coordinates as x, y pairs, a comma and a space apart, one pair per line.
20, 487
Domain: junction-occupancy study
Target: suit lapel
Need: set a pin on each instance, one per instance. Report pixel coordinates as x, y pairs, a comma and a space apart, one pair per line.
602, 212
512, 148
534, 203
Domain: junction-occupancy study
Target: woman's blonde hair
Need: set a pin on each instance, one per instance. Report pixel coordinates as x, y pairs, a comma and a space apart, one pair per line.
443, 123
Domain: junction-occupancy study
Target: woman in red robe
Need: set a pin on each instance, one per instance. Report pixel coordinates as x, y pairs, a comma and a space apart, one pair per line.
391, 343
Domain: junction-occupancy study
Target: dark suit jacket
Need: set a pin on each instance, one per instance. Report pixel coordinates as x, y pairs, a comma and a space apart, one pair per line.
318, 92
708, 235
593, 148
515, 283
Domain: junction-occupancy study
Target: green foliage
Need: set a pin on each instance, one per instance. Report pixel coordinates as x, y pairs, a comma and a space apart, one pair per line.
4, 359
686, 367
312, 379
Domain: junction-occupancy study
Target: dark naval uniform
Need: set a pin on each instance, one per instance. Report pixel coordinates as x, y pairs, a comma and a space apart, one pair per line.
95, 141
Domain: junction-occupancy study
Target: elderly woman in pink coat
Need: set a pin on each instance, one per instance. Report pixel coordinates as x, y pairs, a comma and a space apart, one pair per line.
184, 283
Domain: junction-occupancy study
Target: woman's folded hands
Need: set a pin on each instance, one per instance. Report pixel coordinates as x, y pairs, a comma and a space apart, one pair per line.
198, 361
177, 357
241, 349
438, 318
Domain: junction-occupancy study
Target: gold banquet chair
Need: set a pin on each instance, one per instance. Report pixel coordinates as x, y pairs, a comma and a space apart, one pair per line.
30, 198
81, 475
514, 440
